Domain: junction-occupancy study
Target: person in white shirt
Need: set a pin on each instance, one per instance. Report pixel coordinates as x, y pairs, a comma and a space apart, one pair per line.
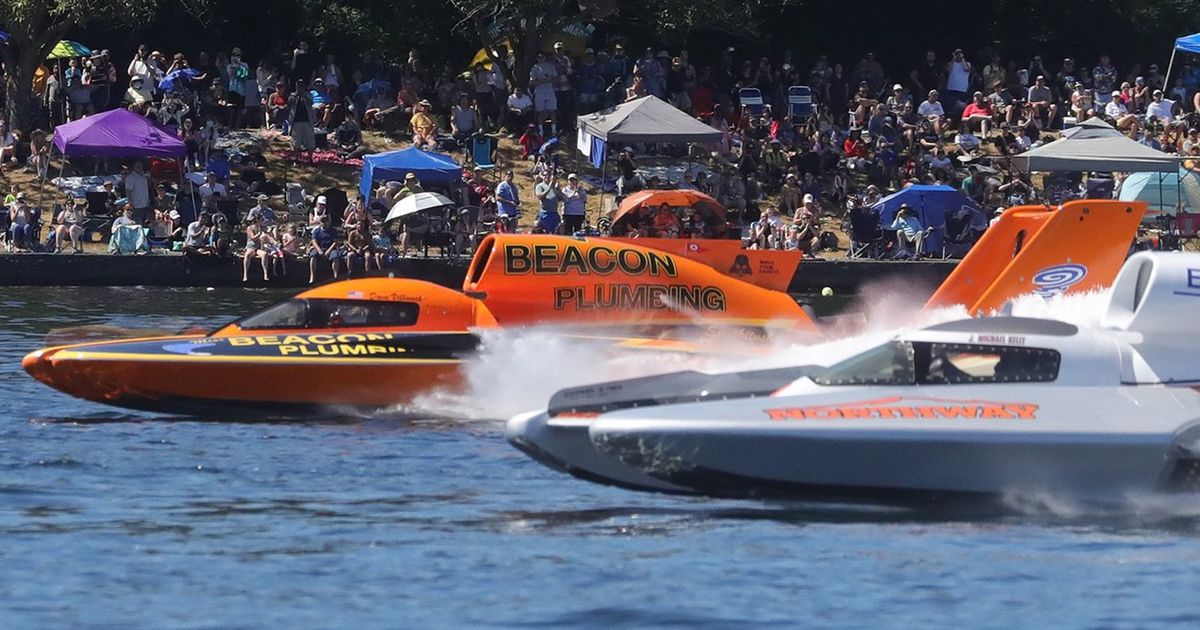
137, 190
1160, 108
1119, 114
932, 110
520, 110
210, 187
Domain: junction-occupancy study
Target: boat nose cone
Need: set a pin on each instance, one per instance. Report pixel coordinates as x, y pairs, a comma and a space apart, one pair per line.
37, 364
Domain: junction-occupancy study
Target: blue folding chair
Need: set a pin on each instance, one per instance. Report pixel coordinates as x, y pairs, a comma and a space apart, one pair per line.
481, 151
751, 100
800, 103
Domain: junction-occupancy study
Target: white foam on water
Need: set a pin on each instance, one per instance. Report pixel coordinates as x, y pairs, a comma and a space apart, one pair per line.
518, 369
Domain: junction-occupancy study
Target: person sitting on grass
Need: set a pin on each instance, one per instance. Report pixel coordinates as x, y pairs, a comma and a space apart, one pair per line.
323, 245
128, 237
221, 236
423, 127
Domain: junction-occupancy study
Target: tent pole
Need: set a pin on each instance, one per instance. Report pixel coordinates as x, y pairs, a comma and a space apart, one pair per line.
1167, 77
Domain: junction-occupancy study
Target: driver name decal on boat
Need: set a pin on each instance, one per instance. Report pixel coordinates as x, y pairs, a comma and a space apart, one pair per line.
322, 344
1056, 279
555, 260
642, 297
900, 408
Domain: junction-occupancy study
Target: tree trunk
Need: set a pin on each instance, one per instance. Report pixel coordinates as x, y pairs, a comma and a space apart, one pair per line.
19, 95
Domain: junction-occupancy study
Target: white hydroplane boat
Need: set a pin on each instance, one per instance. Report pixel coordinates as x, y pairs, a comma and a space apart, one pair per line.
972, 408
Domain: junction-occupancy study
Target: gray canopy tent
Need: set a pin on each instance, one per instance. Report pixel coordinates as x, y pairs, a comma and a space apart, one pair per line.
1094, 145
647, 119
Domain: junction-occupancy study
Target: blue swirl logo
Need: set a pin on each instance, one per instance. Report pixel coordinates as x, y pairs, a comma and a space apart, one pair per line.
1056, 279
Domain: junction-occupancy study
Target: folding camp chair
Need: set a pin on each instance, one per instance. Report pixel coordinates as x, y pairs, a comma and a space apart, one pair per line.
959, 235
1187, 224
158, 235
800, 103
481, 151
866, 235
751, 100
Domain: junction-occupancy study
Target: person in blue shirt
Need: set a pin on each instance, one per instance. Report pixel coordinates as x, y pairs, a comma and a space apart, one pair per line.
909, 228
508, 200
323, 245
218, 165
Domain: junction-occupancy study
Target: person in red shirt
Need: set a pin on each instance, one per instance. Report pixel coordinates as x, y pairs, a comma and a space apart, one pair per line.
856, 149
979, 110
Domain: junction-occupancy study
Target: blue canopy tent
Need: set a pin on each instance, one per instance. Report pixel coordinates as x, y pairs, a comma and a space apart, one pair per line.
426, 165
1166, 193
933, 204
1187, 43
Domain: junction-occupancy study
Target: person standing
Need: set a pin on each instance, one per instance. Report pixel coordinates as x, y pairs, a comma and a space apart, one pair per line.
237, 74
300, 119
137, 190
958, 82
574, 201
508, 201
548, 219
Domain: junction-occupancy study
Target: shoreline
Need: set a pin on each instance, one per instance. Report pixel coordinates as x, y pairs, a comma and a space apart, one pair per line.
175, 270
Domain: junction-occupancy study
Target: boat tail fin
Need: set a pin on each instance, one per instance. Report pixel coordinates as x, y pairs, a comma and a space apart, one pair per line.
1077, 247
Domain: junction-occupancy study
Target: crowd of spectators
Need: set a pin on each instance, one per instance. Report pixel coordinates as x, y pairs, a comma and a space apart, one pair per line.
781, 175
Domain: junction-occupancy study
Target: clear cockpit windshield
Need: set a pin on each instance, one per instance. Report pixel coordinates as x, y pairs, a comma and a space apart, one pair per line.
310, 313
925, 363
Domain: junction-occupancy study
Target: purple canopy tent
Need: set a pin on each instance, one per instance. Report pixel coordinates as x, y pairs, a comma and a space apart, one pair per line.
117, 133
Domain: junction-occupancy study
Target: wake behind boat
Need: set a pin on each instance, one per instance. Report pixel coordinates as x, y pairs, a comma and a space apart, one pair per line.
973, 408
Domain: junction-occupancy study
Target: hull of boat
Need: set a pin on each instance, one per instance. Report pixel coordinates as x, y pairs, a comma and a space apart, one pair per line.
1089, 444
266, 374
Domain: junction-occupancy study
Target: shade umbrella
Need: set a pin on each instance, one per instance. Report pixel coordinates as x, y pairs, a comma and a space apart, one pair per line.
415, 203
66, 49
374, 85
169, 82
705, 204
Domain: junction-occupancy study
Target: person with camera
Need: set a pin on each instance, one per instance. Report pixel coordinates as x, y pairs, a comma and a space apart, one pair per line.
508, 201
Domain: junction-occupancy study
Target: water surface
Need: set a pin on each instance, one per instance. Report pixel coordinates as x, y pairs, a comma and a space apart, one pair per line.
117, 519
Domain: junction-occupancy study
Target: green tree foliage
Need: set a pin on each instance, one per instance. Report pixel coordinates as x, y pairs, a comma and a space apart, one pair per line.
35, 26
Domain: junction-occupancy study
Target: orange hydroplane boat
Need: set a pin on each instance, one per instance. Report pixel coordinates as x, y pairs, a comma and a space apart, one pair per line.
379, 342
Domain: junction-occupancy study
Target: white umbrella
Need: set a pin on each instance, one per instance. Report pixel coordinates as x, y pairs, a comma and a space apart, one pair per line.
418, 202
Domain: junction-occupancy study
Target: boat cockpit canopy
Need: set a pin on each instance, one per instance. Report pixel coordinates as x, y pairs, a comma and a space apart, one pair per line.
929, 363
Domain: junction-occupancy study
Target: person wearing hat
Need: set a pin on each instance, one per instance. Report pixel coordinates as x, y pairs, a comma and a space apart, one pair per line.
424, 128
1160, 109
300, 118
412, 186
237, 74
996, 214
1117, 111
146, 67
909, 229
138, 93
564, 94
320, 211
589, 75
896, 101
574, 200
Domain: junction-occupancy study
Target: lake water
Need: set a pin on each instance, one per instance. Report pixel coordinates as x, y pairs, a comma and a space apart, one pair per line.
117, 519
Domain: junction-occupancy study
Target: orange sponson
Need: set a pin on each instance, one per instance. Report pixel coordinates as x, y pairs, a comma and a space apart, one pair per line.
1077, 247
556, 279
768, 268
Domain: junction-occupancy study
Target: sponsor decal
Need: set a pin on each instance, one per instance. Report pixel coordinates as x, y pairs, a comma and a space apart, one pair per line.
741, 267
643, 297
556, 260
909, 409
1011, 340
325, 345
1193, 284
1056, 279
